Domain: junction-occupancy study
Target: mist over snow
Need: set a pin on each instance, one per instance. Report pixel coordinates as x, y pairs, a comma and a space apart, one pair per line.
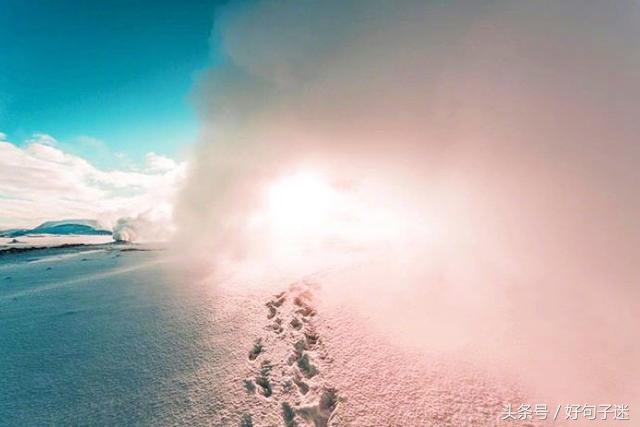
39, 181
477, 161
153, 225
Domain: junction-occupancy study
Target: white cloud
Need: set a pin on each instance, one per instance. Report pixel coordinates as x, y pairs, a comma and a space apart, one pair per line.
40, 182
43, 139
158, 163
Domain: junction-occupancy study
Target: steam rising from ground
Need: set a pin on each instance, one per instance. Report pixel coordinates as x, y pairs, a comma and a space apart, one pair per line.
152, 225
478, 159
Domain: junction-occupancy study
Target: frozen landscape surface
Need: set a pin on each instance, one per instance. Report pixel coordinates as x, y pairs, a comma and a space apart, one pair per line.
313, 364
50, 240
118, 335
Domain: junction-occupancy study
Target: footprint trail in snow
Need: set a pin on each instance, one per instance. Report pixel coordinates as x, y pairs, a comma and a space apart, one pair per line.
286, 364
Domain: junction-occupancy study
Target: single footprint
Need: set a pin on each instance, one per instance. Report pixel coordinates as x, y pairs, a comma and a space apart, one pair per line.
306, 310
298, 348
311, 338
305, 366
288, 414
320, 414
276, 326
246, 421
296, 323
274, 304
249, 385
257, 348
272, 311
303, 387
279, 299
263, 378
328, 400
265, 386
299, 301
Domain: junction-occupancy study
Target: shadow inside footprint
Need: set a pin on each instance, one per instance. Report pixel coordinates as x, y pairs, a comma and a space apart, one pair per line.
328, 400
249, 385
295, 323
303, 388
265, 386
305, 308
272, 311
288, 414
276, 326
305, 366
263, 379
321, 413
279, 300
246, 421
256, 349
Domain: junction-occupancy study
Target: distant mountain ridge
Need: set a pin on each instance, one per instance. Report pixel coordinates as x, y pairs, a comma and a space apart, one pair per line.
87, 227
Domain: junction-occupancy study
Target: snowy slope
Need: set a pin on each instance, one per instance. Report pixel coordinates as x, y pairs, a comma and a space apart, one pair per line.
63, 227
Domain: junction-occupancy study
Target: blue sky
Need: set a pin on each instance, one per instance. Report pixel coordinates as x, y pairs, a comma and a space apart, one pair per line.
103, 77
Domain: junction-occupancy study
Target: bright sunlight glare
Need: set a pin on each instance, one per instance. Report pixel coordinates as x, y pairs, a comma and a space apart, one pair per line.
305, 205
300, 203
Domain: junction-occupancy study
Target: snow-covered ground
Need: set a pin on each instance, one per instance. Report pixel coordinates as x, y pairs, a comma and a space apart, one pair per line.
51, 240
305, 361
121, 335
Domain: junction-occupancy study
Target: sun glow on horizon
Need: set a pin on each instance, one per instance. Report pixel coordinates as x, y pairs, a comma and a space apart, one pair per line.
305, 207
309, 222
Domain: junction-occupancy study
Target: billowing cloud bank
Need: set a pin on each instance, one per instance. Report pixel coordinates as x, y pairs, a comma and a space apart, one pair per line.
501, 135
39, 182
